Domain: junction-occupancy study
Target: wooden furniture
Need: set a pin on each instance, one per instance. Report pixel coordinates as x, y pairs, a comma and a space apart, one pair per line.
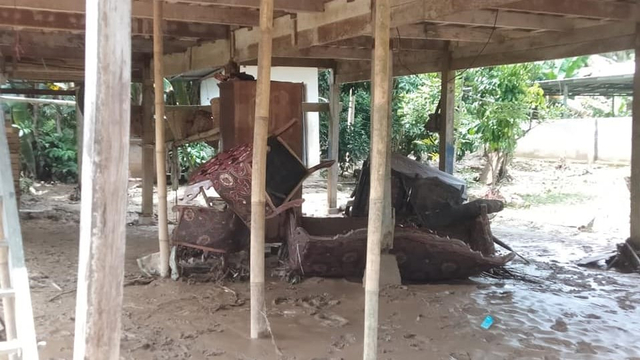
237, 113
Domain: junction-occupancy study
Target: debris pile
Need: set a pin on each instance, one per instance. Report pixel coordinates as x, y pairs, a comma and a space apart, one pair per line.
438, 235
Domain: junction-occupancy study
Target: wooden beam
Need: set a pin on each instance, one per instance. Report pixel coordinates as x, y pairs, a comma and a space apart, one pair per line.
366, 42
285, 5
406, 63
38, 92
516, 20
456, 33
586, 8
634, 187
211, 55
75, 23
379, 139
140, 9
316, 107
105, 178
161, 160
591, 40
259, 326
447, 105
334, 140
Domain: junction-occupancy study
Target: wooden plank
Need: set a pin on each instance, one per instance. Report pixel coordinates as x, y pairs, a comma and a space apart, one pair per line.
634, 188
585, 8
140, 9
259, 170
105, 180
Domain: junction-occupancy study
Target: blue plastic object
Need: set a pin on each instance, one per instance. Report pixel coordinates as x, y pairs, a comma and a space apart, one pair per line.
488, 321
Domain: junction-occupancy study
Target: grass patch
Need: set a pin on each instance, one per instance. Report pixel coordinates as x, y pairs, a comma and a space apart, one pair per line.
553, 198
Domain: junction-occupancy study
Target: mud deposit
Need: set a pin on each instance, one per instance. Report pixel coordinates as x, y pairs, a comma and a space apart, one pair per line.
566, 312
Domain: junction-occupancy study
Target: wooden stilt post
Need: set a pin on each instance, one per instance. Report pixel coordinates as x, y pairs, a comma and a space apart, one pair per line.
334, 140
259, 170
161, 163
105, 179
447, 97
380, 137
148, 161
635, 151
79, 132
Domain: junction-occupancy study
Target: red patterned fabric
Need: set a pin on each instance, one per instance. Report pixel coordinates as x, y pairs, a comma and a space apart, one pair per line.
230, 174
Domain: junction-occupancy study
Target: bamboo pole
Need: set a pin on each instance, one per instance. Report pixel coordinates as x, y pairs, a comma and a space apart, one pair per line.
634, 188
259, 171
161, 164
105, 180
380, 137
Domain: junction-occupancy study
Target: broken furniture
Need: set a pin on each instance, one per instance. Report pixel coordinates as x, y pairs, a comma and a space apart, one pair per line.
229, 173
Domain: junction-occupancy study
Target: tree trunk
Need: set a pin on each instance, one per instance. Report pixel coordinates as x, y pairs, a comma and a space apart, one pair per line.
495, 169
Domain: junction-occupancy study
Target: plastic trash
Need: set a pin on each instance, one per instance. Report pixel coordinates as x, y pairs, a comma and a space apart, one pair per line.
488, 321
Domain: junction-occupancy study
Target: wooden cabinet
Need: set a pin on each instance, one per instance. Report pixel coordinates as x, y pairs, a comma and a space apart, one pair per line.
237, 112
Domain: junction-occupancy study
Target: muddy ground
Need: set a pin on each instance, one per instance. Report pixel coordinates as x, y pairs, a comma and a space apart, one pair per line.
563, 312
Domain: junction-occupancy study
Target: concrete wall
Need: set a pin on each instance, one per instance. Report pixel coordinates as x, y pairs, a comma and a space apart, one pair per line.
604, 139
309, 76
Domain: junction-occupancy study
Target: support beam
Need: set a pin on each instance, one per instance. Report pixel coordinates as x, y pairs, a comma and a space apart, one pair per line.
516, 20
148, 161
584, 8
144, 9
334, 141
285, 5
259, 171
105, 179
634, 188
380, 136
161, 162
447, 106
75, 23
